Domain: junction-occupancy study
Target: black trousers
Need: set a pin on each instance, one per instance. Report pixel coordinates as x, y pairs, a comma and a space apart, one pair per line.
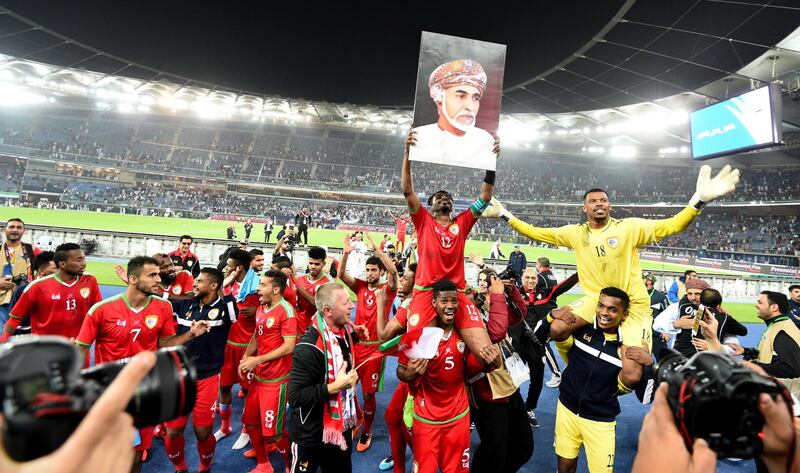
506, 437
302, 233
266, 236
328, 458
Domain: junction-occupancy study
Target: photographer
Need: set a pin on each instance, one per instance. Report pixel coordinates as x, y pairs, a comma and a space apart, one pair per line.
662, 449
687, 342
778, 352
506, 439
15, 259
102, 441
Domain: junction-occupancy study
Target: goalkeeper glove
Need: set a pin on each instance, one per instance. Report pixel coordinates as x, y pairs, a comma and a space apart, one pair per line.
709, 189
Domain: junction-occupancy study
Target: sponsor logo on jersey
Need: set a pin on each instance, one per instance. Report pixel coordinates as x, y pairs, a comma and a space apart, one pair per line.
270, 322
213, 314
613, 242
122, 323
176, 290
151, 321
454, 229
414, 319
587, 337
56, 297
188, 314
460, 345
85, 291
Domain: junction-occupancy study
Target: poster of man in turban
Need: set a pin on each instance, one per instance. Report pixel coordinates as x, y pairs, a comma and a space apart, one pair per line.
457, 103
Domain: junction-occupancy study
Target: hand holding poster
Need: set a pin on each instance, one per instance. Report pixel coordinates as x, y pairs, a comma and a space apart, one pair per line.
457, 103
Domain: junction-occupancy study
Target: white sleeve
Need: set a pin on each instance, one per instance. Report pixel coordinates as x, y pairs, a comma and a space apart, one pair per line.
663, 322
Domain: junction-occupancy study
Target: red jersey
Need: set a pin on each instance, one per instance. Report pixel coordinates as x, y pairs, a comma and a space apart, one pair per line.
272, 327
290, 293
306, 311
402, 223
401, 316
182, 285
242, 329
56, 307
440, 394
440, 248
367, 309
119, 331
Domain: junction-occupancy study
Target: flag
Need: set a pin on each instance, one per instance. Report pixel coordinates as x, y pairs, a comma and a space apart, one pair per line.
420, 344
249, 285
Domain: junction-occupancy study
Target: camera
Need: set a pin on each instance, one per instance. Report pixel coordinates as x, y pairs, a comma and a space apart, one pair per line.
508, 273
714, 397
45, 394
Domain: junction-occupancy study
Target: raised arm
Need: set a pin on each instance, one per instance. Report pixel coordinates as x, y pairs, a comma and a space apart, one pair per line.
391, 269
412, 200
487, 188
547, 235
342, 271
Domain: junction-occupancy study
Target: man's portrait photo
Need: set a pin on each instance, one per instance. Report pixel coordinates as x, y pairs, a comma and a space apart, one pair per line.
457, 106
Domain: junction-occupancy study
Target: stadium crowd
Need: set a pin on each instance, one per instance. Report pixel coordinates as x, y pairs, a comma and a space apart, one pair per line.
298, 342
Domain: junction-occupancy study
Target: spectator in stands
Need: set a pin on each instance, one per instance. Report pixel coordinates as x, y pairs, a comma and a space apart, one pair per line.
518, 263
794, 303
184, 259
231, 235
678, 288
15, 260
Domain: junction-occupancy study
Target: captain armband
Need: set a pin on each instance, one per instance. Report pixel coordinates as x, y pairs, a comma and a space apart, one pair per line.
478, 206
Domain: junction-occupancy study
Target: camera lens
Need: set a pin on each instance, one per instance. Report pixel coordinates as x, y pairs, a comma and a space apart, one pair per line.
167, 392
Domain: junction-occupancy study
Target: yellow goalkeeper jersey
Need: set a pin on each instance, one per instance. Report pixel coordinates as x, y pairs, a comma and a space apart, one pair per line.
609, 256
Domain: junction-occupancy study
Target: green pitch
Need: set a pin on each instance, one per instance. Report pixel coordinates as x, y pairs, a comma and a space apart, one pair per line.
217, 229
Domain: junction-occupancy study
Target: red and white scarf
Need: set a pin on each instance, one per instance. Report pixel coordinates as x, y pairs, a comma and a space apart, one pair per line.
339, 412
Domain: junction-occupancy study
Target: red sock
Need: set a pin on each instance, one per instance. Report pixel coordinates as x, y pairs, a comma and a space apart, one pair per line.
225, 412
174, 448
370, 405
205, 448
359, 412
257, 441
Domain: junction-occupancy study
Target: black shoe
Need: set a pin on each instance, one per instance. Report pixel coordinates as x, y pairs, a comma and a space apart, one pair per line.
532, 419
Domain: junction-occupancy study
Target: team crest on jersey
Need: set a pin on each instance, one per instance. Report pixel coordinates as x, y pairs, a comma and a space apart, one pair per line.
587, 337
176, 290
189, 263
270, 322
460, 346
213, 314
188, 314
85, 291
454, 229
613, 242
413, 320
151, 321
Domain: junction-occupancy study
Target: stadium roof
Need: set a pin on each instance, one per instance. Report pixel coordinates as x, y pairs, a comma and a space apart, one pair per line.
630, 85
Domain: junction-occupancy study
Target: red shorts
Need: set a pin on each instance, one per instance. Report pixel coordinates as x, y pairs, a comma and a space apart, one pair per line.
230, 367
266, 406
370, 375
421, 311
203, 411
146, 434
442, 447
